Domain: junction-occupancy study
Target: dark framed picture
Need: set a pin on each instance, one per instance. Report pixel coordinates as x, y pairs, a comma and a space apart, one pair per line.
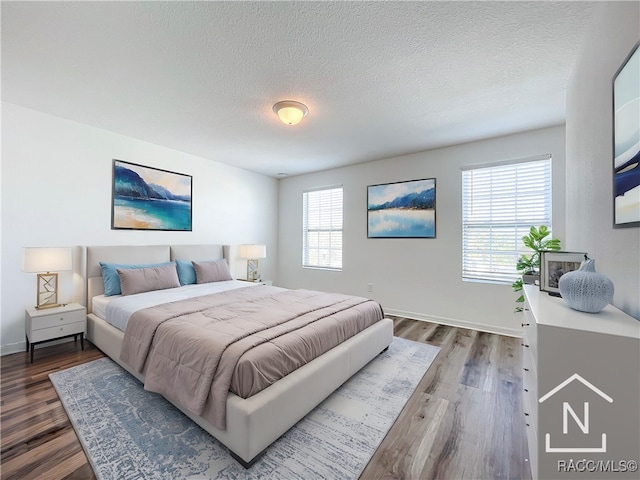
147, 198
555, 264
402, 209
626, 142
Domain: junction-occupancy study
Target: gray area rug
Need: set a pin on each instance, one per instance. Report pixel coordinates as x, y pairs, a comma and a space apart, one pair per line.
129, 433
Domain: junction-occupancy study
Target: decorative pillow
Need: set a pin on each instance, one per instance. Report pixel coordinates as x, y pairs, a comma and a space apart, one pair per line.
207, 272
138, 280
186, 272
111, 279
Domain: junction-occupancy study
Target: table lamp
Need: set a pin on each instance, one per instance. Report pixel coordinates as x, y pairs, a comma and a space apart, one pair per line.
252, 253
46, 262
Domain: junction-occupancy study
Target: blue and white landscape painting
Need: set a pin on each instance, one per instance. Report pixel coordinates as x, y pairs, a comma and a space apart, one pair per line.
626, 96
403, 209
146, 198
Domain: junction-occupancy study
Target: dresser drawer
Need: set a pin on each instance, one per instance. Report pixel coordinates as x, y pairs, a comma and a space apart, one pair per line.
530, 395
529, 366
529, 335
530, 407
530, 402
56, 332
57, 319
532, 440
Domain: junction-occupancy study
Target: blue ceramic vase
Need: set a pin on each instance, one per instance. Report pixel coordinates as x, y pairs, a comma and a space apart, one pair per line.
585, 289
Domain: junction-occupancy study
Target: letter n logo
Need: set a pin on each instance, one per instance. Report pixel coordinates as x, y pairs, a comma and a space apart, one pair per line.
567, 410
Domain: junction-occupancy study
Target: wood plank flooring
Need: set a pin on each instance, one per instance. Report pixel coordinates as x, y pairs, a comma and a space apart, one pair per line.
464, 421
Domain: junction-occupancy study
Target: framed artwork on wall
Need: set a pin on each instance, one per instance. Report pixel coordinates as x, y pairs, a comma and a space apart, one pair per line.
626, 142
402, 209
554, 264
147, 198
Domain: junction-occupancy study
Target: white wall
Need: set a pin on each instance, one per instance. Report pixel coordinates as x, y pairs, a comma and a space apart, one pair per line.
614, 31
56, 191
417, 278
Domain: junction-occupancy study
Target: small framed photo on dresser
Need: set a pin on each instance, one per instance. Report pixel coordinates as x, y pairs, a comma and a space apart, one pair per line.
555, 264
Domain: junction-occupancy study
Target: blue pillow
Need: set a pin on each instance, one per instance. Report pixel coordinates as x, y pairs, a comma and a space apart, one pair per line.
112, 280
186, 272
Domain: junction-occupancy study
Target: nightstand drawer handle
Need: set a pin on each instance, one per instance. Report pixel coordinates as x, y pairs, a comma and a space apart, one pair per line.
526, 324
61, 318
524, 345
526, 369
61, 328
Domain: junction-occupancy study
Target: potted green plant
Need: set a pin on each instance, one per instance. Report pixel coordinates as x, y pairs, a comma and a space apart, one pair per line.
528, 266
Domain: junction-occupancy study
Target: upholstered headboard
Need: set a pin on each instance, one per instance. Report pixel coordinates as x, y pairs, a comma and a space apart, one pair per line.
199, 252
141, 254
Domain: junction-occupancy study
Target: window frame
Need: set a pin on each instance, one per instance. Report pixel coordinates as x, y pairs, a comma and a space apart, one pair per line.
331, 264
493, 264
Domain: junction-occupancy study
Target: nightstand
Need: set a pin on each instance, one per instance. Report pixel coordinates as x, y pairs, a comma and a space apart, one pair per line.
53, 323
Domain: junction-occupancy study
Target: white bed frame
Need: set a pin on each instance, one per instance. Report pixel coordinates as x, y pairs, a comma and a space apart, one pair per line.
256, 422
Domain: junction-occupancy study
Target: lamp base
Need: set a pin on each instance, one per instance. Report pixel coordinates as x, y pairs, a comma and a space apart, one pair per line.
252, 270
47, 291
48, 305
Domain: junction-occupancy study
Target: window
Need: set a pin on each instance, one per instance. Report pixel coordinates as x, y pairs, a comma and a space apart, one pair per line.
322, 228
500, 203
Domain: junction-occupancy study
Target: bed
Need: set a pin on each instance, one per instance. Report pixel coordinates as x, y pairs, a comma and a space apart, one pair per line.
250, 424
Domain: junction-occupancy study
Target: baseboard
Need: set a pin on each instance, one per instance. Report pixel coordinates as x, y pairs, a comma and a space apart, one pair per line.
22, 346
454, 322
12, 348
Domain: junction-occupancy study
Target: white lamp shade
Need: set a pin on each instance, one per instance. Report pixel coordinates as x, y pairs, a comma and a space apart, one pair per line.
252, 252
55, 259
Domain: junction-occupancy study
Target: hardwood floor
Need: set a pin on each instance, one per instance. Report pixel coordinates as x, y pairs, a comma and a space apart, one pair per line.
464, 421
36, 437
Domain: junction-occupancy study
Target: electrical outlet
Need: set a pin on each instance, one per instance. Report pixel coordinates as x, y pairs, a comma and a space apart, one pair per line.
369, 287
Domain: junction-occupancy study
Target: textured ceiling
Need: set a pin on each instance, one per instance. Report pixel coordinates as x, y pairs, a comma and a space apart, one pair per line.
380, 78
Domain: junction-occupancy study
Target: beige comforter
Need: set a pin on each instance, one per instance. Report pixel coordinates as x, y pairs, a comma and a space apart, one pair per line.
189, 350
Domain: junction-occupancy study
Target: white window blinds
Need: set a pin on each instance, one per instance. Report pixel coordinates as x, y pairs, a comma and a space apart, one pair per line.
499, 205
322, 228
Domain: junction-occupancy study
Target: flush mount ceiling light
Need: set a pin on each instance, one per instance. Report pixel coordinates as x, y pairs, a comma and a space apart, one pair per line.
290, 112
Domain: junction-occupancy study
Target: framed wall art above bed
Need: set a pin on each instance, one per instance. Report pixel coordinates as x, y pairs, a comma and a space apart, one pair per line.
147, 198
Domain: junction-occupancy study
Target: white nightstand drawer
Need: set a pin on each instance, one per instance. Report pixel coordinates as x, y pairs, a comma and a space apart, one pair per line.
57, 319
53, 323
56, 332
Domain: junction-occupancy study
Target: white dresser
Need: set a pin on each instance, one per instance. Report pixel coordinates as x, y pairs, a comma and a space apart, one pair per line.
581, 389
